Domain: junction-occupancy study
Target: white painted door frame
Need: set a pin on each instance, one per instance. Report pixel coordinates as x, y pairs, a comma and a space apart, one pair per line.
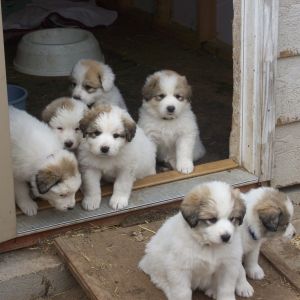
258, 58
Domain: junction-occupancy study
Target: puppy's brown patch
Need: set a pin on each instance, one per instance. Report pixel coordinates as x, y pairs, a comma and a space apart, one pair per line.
183, 88
61, 103
239, 208
198, 205
94, 74
272, 210
87, 122
130, 128
151, 87
54, 174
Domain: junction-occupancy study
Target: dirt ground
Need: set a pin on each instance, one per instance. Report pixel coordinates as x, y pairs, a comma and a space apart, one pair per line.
135, 51
110, 257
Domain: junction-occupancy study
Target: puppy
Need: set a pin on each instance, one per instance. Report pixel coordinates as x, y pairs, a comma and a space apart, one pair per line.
63, 116
93, 81
167, 118
115, 149
41, 167
269, 214
200, 247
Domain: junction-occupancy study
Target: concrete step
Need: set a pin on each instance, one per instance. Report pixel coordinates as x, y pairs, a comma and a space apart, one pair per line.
30, 273
75, 293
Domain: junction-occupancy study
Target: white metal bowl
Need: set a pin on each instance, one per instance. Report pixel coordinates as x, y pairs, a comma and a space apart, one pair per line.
53, 52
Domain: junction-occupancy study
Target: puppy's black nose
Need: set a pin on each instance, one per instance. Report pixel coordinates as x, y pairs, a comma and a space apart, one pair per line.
104, 149
76, 97
70, 208
171, 108
68, 144
225, 237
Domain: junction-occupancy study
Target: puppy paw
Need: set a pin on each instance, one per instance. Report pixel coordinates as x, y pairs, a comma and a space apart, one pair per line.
118, 202
29, 208
211, 293
255, 272
91, 203
244, 289
185, 166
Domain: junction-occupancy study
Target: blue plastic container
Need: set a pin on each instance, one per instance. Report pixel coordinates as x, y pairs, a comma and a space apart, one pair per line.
17, 96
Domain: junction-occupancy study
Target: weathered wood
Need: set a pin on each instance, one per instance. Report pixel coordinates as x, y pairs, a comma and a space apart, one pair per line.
289, 24
286, 155
161, 178
255, 114
7, 203
287, 90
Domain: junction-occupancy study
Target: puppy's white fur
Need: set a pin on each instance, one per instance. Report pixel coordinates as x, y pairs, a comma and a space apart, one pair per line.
39, 160
93, 82
188, 251
176, 132
129, 155
269, 213
63, 116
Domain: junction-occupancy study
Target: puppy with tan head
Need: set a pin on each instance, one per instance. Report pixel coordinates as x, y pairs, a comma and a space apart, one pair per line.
93, 81
269, 214
200, 247
63, 116
167, 118
113, 149
41, 167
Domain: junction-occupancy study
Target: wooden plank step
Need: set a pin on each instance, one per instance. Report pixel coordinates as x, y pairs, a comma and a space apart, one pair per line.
105, 262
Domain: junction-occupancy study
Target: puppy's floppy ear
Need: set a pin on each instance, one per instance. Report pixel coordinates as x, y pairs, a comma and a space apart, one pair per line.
239, 207
189, 214
129, 126
46, 179
269, 216
186, 88
106, 77
150, 89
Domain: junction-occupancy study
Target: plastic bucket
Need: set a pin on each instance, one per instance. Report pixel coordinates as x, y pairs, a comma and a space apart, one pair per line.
17, 96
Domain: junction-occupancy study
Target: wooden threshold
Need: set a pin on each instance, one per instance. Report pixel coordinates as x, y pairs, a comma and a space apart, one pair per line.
160, 178
125, 219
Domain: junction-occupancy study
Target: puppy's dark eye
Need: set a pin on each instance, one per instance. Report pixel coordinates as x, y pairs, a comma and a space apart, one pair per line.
62, 195
73, 84
59, 128
211, 221
89, 88
97, 133
235, 220
77, 129
116, 135
179, 97
160, 97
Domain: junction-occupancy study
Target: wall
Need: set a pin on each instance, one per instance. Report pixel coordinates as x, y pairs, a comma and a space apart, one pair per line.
286, 171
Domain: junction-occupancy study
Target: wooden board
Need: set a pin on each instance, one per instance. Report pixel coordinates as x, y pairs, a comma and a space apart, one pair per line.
161, 178
288, 27
105, 264
286, 155
287, 91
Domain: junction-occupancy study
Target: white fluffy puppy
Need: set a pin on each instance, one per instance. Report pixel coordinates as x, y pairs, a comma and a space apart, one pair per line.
115, 149
200, 247
269, 213
40, 163
167, 118
63, 116
93, 81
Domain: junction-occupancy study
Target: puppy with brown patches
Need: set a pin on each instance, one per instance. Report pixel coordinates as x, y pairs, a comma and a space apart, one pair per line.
167, 118
41, 167
269, 214
63, 116
113, 149
200, 247
93, 81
